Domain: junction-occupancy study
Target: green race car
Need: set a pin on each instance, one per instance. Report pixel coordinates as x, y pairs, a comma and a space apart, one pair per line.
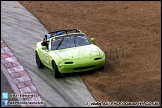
67, 51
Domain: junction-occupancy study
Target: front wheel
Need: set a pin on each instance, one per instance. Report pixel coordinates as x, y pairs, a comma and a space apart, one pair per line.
55, 68
38, 61
102, 68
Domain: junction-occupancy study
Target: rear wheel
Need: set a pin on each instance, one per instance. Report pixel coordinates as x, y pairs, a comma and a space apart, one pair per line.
38, 61
55, 68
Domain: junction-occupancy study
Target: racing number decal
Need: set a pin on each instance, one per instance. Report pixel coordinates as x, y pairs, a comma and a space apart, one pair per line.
47, 57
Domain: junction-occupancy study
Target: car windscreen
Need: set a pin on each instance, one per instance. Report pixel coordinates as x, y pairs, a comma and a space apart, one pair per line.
70, 41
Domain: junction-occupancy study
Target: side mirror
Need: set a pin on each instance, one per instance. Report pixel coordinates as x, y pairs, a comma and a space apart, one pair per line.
43, 47
92, 40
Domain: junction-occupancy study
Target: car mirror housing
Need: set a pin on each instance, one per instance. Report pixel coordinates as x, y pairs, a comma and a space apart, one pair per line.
92, 40
43, 47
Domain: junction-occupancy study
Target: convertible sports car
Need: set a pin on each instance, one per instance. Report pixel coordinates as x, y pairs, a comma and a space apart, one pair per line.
67, 51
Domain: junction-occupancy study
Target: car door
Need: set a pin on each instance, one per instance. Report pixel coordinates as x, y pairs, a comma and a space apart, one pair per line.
43, 54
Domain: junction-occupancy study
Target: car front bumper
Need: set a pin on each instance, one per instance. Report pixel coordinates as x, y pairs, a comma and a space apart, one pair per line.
80, 65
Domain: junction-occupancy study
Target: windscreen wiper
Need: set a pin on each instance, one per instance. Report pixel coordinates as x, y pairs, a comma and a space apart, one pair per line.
60, 43
74, 40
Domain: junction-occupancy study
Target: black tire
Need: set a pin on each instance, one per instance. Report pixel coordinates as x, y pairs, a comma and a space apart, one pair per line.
38, 61
55, 68
102, 68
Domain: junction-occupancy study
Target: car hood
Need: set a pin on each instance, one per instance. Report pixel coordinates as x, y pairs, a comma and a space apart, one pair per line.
78, 52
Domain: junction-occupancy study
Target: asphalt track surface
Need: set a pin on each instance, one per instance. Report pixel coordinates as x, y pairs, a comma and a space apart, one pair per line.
20, 30
6, 87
